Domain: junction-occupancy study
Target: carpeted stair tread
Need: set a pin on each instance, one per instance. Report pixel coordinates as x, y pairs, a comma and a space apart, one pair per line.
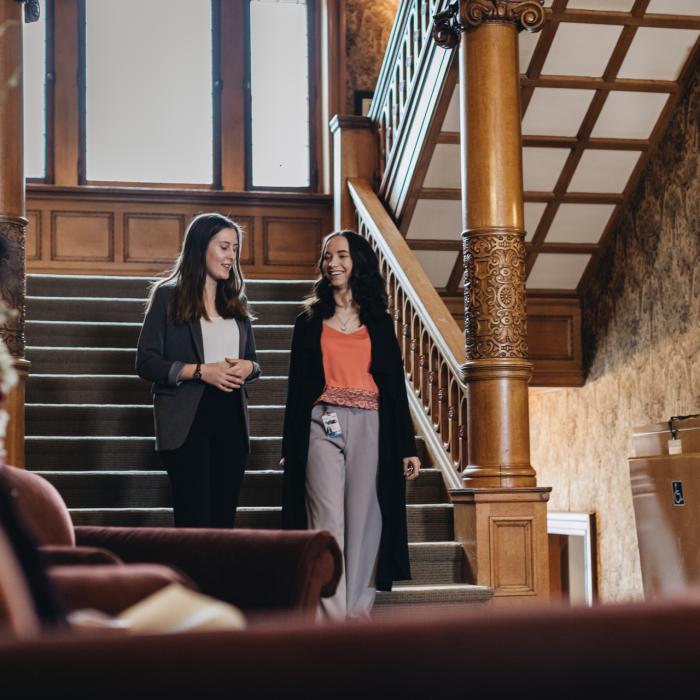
123, 420
138, 287
83, 488
107, 334
415, 594
133, 310
129, 389
433, 522
87, 360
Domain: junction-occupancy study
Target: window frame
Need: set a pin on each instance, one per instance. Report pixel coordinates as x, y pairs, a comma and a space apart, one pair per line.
313, 58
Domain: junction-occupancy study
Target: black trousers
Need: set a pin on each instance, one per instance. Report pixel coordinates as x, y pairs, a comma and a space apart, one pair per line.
206, 472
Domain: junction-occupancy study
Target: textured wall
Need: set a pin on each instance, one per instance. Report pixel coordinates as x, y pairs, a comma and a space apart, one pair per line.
368, 25
642, 345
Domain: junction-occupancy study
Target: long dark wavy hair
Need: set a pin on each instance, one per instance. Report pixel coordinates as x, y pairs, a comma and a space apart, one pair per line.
366, 282
190, 272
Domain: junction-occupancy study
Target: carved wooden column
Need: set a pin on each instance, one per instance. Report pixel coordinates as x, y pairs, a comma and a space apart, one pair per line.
500, 515
12, 219
354, 156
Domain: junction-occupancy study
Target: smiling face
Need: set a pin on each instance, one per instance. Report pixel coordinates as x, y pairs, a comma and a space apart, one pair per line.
221, 254
336, 265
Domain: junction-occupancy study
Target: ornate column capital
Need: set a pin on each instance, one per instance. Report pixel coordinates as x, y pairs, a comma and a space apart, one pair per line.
464, 15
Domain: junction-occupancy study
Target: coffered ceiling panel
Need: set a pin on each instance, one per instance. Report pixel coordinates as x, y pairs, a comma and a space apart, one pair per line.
565, 120
437, 264
603, 171
579, 223
674, 7
658, 54
436, 219
533, 214
630, 115
451, 121
557, 271
606, 5
581, 49
444, 166
542, 167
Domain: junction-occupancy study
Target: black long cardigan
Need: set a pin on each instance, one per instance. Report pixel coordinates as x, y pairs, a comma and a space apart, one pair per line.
396, 436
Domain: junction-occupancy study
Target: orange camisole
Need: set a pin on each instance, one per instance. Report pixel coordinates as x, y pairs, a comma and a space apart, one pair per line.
346, 361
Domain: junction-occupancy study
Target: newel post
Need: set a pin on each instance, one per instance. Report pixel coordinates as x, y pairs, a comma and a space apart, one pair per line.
354, 156
501, 513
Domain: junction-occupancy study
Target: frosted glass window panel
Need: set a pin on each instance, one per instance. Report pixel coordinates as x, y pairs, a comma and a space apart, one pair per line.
556, 111
658, 53
603, 171
557, 271
579, 223
542, 167
674, 7
34, 66
533, 214
526, 47
581, 49
451, 121
279, 76
601, 5
437, 264
436, 219
443, 170
148, 96
630, 115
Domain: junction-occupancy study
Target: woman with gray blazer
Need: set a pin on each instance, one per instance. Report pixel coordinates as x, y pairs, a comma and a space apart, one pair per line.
197, 347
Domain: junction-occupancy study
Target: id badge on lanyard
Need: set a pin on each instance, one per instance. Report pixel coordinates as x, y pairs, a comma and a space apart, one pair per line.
331, 424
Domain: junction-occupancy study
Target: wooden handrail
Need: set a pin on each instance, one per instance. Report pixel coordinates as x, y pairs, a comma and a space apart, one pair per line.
431, 342
405, 58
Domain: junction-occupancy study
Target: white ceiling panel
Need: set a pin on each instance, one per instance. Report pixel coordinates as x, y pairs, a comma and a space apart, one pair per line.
437, 264
674, 7
603, 5
451, 121
533, 214
542, 167
443, 170
527, 43
581, 49
557, 271
579, 223
630, 115
436, 219
556, 112
658, 54
603, 171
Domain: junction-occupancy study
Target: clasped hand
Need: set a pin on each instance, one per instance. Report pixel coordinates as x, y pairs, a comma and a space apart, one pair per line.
227, 375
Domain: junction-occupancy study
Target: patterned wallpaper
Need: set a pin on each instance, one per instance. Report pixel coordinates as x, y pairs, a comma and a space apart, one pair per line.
642, 347
368, 25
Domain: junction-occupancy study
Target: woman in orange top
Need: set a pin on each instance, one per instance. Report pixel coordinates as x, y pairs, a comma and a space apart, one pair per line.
349, 442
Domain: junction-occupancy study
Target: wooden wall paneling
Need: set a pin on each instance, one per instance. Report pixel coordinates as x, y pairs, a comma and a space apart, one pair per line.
289, 241
33, 239
82, 236
152, 237
66, 131
233, 121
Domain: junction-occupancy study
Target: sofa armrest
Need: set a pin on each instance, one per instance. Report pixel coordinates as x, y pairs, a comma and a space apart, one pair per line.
109, 588
63, 555
252, 569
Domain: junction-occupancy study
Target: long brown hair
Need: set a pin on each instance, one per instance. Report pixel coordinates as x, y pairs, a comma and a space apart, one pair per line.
190, 272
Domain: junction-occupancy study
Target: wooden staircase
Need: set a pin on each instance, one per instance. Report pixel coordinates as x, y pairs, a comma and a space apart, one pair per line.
89, 427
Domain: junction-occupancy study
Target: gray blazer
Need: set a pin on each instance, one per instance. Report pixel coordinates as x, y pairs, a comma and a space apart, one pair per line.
164, 347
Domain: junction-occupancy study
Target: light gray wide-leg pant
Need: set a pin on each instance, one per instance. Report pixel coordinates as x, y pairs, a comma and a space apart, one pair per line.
341, 497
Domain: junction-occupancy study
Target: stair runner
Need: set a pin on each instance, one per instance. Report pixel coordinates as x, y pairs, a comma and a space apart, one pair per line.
89, 427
